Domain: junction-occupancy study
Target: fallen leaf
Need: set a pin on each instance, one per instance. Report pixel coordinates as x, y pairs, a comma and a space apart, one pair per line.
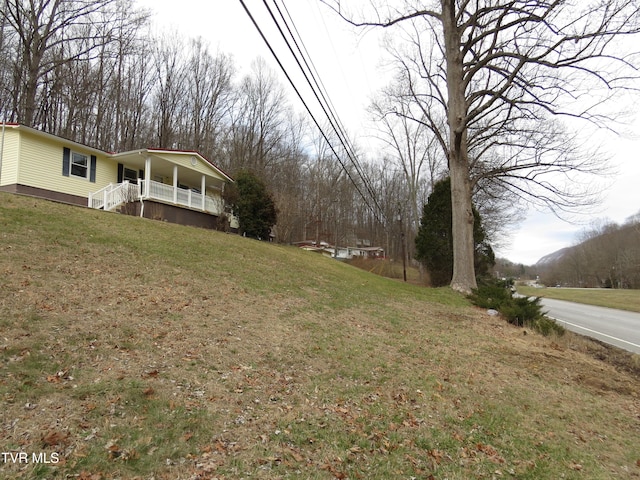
84, 475
296, 456
436, 455
53, 438
220, 447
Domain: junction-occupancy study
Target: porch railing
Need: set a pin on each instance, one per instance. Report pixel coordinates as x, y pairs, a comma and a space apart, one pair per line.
116, 194
181, 196
113, 195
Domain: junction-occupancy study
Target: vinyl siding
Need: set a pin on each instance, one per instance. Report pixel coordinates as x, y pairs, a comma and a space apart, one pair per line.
41, 166
9, 173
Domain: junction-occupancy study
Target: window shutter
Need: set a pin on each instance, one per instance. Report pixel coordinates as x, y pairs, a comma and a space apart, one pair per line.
92, 171
66, 161
120, 173
141, 174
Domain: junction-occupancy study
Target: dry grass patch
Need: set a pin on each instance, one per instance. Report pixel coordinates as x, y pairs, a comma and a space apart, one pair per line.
137, 349
622, 299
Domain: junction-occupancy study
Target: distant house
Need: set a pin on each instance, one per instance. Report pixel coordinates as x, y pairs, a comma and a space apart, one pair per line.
348, 253
173, 185
367, 252
342, 253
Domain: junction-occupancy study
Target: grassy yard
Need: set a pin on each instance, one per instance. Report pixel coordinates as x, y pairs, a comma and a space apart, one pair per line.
603, 297
137, 349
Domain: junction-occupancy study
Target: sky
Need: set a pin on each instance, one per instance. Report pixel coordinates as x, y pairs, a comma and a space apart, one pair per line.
349, 63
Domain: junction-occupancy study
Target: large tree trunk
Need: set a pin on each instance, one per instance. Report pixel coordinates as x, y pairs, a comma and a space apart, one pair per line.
464, 278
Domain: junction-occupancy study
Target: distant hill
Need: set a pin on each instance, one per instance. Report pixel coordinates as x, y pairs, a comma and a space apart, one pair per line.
553, 257
609, 257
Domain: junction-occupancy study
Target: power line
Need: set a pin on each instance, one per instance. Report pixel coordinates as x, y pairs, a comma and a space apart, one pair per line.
332, 122
340, 130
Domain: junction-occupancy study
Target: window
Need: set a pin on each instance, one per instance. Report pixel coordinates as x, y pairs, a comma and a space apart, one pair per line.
79, 165
131, 175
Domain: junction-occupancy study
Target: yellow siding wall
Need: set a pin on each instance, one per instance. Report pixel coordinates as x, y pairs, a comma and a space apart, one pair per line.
41, 166
9, 172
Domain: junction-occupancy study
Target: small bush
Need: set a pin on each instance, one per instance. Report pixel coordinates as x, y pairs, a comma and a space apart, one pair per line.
547, 326
520, 311
492, 294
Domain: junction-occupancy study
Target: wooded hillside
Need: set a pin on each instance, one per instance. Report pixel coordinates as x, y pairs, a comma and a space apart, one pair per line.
608, 256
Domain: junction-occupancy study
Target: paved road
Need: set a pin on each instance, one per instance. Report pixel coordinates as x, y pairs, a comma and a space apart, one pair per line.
615, 327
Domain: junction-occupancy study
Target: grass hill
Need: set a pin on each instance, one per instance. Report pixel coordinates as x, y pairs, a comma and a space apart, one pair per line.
136, 349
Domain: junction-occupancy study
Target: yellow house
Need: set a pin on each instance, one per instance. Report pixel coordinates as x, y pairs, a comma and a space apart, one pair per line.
174, 185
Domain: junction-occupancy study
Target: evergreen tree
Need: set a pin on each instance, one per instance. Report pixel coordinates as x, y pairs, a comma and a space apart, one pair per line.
434, 242
253, 204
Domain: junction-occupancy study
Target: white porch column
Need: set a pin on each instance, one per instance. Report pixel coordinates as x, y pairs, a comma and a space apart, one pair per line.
175, 184
147, 177
203, 189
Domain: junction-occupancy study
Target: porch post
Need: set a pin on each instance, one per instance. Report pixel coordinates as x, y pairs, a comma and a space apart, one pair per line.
175, 184
203, 190
147, 176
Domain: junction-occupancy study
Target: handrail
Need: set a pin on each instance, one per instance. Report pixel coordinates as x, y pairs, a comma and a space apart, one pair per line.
113, 195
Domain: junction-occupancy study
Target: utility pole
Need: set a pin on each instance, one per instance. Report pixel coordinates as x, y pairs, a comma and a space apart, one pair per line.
402, 245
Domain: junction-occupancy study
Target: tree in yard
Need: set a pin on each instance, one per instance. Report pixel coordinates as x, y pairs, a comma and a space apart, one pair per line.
490, 79
253, 204
434, 242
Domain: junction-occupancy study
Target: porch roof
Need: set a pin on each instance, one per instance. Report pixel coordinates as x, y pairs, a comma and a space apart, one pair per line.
192, 165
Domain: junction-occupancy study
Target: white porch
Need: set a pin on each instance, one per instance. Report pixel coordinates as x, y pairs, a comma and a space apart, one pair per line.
116, 194
180, 178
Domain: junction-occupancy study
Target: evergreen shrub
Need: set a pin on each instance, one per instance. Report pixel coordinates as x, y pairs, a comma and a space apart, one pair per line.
521, 311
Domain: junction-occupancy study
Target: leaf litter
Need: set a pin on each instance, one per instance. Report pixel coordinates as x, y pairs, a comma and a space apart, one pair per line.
126, 374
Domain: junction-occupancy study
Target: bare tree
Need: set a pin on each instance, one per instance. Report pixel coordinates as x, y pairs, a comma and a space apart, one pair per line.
170, 75
208, 92
258, 120
286, 180
498, 71
606, 255
390, 183
132, 92
412, 150
7, 47
51, 33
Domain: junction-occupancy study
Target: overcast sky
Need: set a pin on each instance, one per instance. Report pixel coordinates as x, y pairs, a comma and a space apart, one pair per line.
349, 64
